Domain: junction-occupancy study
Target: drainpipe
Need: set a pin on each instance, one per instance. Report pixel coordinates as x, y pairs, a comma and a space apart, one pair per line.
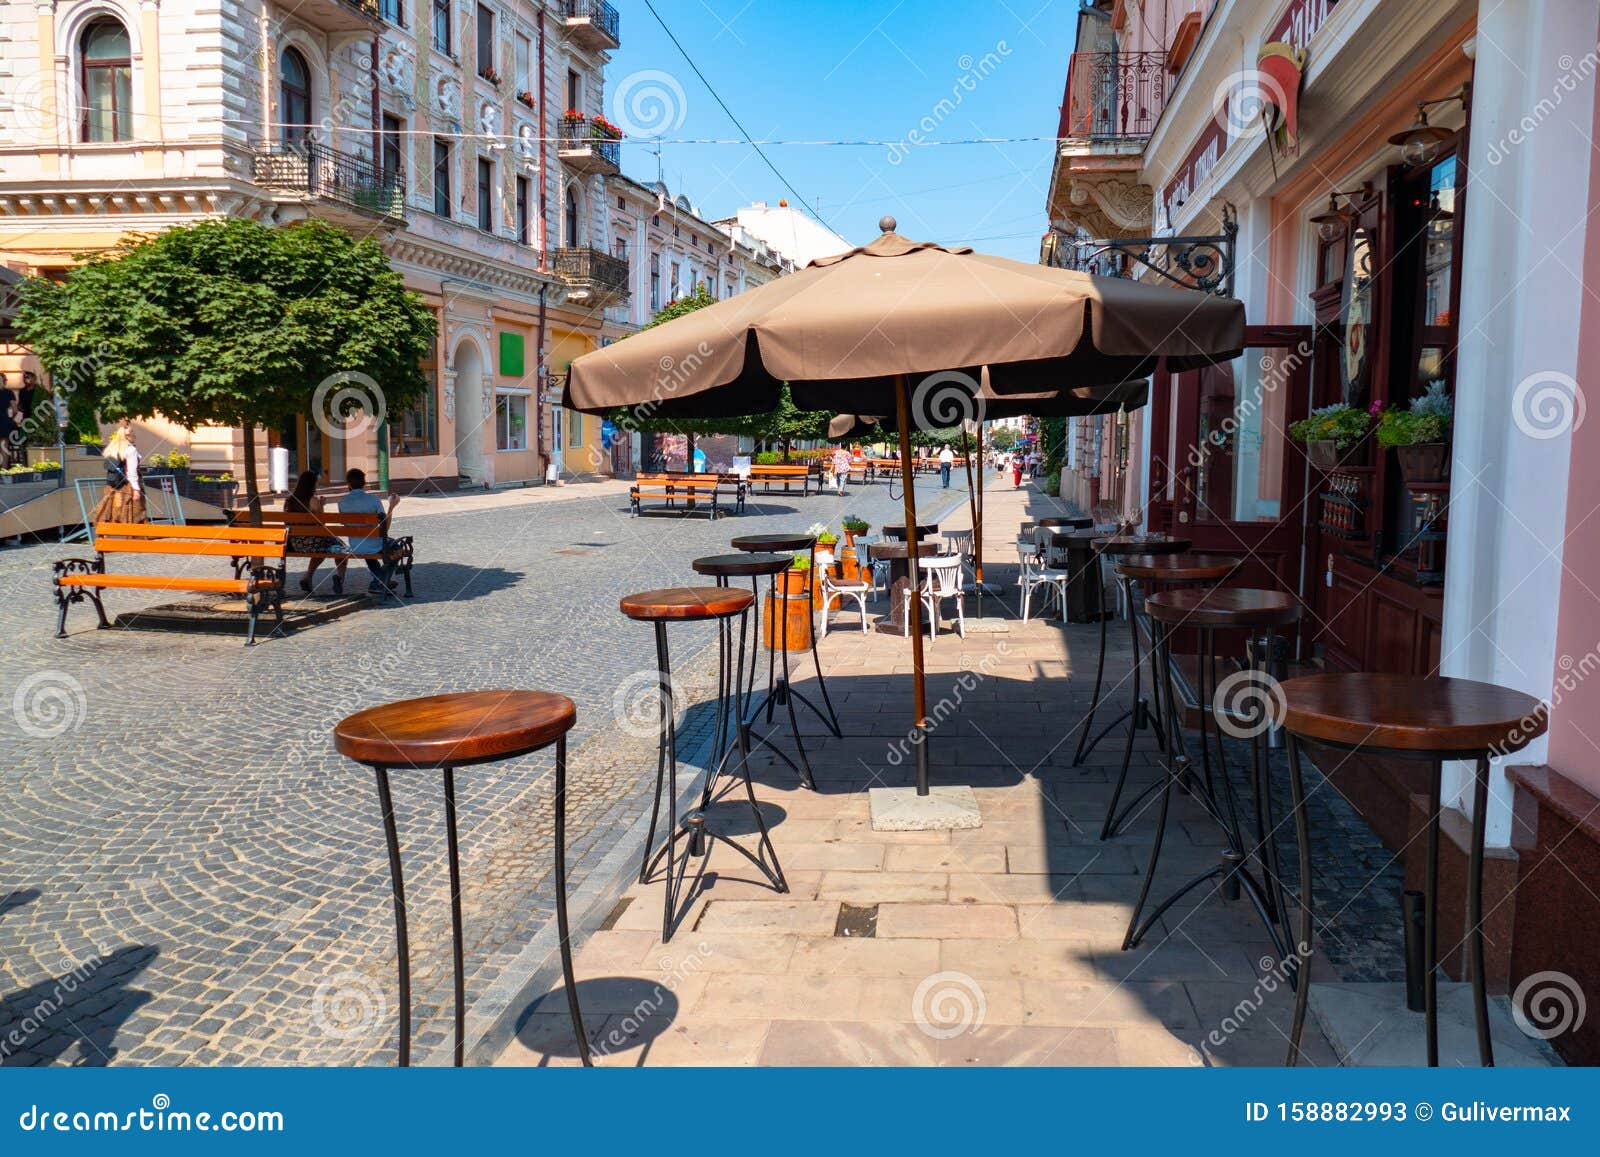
539, 379
544, 155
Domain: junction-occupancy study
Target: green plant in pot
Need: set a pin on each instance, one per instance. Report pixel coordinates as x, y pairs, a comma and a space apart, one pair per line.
1331, 432
1420, 435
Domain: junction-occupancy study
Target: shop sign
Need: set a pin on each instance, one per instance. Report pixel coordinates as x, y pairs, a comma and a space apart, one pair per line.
1202, 157
1300, 21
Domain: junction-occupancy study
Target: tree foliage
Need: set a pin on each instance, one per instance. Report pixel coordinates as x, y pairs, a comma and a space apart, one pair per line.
1003, 438
230, 322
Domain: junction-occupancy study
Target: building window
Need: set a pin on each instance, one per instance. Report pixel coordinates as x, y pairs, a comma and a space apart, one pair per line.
417, 431
443, 39
394, 11
511, 421
574, 429
522, 62
677, 280
441, 177
107, 57
485, 41
655, 281
574, 91
485, 195
524, 212
294, 98
621, 204
571, 223
391, 147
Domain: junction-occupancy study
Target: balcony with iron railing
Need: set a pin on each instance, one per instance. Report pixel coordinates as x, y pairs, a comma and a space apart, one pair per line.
340, 15
593, 278
1114, 97
330, 178
589, 144
593, 24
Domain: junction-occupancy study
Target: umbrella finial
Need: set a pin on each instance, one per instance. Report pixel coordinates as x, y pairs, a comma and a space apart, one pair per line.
887, 224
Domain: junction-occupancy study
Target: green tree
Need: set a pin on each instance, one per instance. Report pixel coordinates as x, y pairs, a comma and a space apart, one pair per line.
232, 323
784, 425
1003, 439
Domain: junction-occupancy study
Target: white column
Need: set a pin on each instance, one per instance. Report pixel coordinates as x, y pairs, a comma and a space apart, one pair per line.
1521, 295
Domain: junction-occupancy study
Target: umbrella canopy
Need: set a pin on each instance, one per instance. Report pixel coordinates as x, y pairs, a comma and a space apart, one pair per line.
1083, 402
843, 330
852, 333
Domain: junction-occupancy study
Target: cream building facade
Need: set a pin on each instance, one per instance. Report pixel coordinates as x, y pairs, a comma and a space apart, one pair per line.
467, 138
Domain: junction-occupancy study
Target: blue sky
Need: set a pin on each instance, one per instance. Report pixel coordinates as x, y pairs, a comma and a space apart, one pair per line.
853, 70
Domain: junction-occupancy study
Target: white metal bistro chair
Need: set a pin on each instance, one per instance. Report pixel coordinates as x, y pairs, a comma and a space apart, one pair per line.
1031, 575
834, 590
961, 543
941, 579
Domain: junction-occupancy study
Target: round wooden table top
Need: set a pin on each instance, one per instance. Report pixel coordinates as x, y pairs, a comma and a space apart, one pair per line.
689, 604
1172, 568
739, 565
893, 551
453, 730
898, 529
1411, 713
1223, 607
1140, 544
1069, 523
766, 542
1071, 537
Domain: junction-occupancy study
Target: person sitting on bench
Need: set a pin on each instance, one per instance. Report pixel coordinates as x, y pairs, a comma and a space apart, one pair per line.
360, 501
303, 500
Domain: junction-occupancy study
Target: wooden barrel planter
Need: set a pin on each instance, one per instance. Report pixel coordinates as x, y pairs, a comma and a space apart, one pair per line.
790, 614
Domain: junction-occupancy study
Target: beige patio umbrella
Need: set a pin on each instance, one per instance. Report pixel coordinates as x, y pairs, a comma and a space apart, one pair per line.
900, 326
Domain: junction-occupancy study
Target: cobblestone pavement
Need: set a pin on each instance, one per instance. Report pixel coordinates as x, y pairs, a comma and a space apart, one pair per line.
190, 874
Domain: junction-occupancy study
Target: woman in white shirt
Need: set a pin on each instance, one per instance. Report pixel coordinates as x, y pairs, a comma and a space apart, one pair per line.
123, 499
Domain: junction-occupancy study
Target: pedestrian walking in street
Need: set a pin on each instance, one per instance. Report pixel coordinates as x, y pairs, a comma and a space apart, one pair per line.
841, 468
1016, 470
123, 498
947, 459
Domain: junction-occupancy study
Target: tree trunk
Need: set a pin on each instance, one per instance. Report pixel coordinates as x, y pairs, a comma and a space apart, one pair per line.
688, 456
251, 490
786, 445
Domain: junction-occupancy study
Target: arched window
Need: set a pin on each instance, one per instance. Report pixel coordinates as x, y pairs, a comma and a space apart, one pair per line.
572, 219
107, 66
294, 97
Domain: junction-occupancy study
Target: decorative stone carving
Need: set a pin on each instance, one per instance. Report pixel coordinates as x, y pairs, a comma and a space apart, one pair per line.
448, 96
489, 119
398, 67
448, 403
1124, 204
527, 142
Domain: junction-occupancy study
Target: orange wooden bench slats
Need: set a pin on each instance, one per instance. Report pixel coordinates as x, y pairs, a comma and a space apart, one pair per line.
150, 582
188, 533
229, 549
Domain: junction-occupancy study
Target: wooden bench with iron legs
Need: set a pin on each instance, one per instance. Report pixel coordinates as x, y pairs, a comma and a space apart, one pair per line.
771, 476
733, 484
346, 528
258, 580
705, 496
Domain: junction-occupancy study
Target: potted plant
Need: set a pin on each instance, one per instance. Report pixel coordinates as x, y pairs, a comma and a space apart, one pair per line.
217, 489
1420, 435
491, 74
47, 470
853, 525
1330, 432
526, 97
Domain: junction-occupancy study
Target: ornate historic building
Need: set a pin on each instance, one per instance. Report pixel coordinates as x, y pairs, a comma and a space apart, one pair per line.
468, 138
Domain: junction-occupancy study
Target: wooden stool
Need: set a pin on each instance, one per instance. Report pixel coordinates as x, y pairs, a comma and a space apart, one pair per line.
755, 543
689, 605
1117, 546
1411, 717
447, 732
754, 566
1223, 608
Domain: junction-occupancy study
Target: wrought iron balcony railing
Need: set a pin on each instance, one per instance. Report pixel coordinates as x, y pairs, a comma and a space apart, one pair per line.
324, 174
1114, 95
594, 18
584, 137
590, 269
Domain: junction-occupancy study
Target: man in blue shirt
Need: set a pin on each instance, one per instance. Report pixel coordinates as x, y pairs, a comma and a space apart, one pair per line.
361, 501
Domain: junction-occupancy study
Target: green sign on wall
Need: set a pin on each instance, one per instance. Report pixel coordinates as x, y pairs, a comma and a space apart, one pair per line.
510, 354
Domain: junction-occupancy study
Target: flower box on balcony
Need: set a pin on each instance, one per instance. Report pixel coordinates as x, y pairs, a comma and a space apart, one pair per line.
526, 98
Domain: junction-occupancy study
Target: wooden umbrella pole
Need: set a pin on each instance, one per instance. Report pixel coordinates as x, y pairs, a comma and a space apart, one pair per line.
972, 507
902, 407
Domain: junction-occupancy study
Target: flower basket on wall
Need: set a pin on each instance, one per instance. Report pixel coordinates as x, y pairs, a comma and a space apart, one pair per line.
1424, 461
